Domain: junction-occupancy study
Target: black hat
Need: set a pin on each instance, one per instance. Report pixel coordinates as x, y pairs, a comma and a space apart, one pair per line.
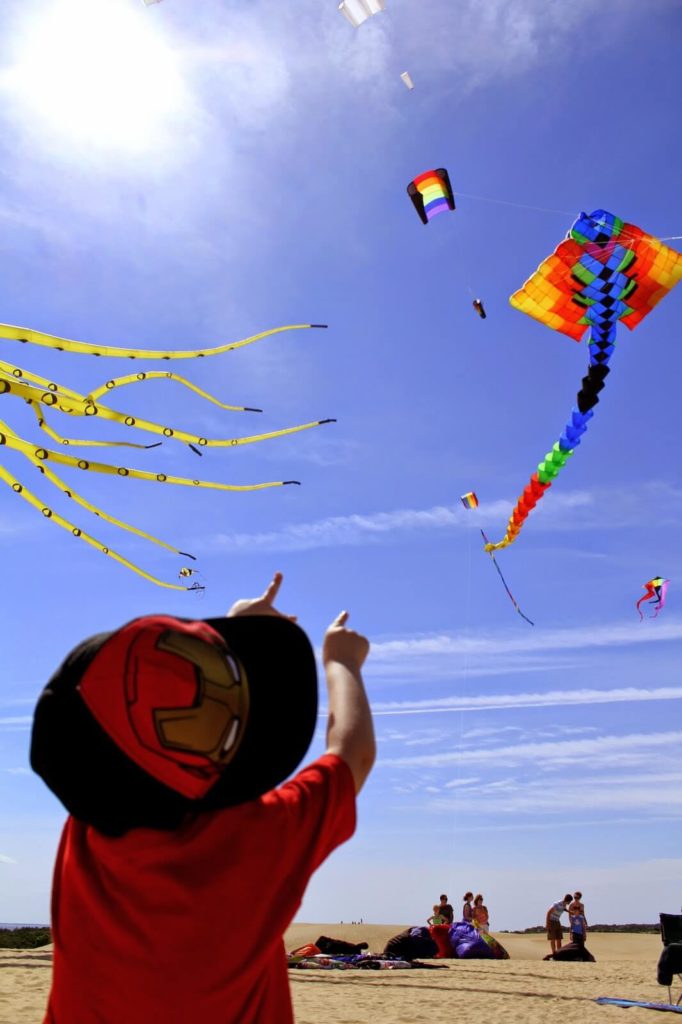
168, 716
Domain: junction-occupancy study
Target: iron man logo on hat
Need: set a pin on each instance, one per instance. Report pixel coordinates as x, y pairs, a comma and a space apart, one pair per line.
214, 725
173, 696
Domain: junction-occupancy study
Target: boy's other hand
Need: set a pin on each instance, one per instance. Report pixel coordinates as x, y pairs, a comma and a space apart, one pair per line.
344, 645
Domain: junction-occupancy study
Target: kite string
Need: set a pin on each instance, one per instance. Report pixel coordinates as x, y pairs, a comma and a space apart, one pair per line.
499, 573
467, 619
548, 209
521, 206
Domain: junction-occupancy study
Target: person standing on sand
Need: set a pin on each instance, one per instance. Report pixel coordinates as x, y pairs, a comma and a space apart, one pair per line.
577, 922
555, 931
467, 910
481, 919
436, 917
181, 865
446, 910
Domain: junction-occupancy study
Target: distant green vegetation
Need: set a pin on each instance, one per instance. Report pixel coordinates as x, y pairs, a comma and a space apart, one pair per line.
641, 929
24, 938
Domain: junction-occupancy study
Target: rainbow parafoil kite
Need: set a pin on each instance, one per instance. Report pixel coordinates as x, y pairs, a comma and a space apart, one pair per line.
431, 194
604, 271
469, 500
656, 590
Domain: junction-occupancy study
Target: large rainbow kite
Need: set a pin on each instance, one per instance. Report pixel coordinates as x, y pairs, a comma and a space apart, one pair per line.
604, 271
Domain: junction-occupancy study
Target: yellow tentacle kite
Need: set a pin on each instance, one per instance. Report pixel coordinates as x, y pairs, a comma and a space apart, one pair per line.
14, 374
138, 378
82, 406
28, 336
44, 426
8, 371
99, 512
47, 455
42, 394
77, 532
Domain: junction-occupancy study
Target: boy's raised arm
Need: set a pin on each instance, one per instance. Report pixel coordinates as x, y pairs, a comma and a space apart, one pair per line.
350, 732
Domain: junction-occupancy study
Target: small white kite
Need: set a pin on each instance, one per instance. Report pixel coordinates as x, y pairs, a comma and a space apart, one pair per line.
358, 11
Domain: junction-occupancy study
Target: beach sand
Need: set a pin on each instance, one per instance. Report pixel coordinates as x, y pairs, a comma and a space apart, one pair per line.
522, 990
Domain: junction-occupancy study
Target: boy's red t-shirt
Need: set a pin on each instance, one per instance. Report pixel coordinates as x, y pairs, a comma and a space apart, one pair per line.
186, 927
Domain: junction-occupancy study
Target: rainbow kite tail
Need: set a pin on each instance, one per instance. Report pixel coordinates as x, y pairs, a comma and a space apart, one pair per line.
602, 343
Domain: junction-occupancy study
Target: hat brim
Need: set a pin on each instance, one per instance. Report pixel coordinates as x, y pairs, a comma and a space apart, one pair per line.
101, 785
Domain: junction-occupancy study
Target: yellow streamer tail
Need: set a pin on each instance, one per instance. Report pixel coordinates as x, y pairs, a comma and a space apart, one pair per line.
42, 423
47, 455
31, 337
82, 406
100, 513
54, 517
139, 378
8, 371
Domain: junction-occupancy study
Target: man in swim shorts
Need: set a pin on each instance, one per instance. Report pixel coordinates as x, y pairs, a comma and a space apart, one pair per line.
555, 931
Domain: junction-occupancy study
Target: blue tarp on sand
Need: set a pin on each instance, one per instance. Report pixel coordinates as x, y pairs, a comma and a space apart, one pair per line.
633, 1002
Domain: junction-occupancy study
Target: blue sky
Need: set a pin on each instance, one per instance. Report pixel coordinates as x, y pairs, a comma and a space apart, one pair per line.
187, 174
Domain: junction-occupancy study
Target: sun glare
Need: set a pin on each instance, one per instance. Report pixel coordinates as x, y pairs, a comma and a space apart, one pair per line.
96, 73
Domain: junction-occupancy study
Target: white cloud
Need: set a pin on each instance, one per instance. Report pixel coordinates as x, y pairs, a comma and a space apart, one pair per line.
606, 794
341, 531
598, 750
486, 733
6, 860
607, 635
455, 783
469, 655
550, 698
247, 72
16, 722
481, 42
602, 776
572, 510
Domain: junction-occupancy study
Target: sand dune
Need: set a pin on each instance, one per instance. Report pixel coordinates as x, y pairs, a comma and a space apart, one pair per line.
522, 990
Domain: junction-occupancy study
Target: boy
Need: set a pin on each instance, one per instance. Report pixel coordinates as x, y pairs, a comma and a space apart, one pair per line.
180, 866
445, 909
436, 918
577, 921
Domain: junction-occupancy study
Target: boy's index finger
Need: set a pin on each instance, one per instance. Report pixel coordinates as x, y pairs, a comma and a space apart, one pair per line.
341, 619
273, 588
